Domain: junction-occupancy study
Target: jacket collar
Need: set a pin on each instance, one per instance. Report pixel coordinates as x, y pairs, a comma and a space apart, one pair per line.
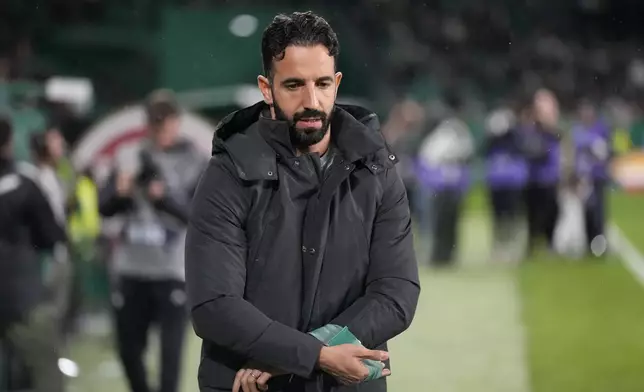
254, 141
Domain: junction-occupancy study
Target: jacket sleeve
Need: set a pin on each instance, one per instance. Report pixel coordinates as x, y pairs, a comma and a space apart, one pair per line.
109, 202
392, 285
172, 207
180, 210
44, 229
215, 280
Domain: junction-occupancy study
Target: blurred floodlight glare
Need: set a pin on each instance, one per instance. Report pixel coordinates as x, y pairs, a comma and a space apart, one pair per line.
68, 367
243, 25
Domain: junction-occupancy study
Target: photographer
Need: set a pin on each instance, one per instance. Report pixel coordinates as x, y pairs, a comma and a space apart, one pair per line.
151, 190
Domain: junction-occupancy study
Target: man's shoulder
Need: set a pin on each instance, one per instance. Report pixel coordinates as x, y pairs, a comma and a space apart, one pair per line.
247, 150
27, 170
237, 123
22, 181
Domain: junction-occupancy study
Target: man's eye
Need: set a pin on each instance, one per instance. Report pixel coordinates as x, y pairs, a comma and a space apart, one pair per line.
292, 87
324, 85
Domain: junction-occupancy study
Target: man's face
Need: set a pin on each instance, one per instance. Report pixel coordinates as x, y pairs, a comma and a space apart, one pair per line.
55, 144
165, 135
546, 108
6, 151
587, 114
302, 92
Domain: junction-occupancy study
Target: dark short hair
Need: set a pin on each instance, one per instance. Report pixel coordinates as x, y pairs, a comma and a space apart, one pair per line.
160, 106
300, 29
6, 131
38, 145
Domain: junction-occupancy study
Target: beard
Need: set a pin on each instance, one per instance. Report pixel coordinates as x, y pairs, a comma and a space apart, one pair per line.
302, 138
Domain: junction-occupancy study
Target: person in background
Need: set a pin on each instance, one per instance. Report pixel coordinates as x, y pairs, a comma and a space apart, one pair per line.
540, 141
45, 157
48, 154
443, 171
402, 132
506, 176
29, 312
591, 136
150, 191
570, 238
64, 169
84, 229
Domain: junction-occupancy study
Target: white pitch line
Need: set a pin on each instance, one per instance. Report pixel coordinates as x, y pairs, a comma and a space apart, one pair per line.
630, 256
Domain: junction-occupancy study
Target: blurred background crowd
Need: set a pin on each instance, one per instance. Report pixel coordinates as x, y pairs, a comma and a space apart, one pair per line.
539, 105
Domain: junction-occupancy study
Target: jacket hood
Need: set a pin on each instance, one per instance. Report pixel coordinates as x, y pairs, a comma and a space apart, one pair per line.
355, 131
240, 120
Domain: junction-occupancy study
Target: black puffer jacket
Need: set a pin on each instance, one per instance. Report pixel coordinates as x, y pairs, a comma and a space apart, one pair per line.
274, 250
27, 227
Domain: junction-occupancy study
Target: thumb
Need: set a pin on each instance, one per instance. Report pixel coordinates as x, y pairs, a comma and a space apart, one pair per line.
376, 355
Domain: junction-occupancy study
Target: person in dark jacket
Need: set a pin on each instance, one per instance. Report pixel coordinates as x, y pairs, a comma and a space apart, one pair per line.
541, 144
506, 176
300, 226
28, 310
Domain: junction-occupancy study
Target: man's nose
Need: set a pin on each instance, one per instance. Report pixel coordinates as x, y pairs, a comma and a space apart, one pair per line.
310, 97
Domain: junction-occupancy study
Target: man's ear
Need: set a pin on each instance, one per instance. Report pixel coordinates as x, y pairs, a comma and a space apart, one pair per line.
338, 79
265, 87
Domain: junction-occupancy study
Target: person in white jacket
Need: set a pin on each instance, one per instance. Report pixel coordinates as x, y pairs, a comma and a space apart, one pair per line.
570, 230
443, 172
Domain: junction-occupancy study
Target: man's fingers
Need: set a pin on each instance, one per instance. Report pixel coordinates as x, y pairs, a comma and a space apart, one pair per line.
263, 379
376, 355
238, 378
386, 372
247, 381
250, 380
242, 379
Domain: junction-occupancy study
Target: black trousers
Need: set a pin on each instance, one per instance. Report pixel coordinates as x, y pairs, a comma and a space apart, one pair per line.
506, 208
542, 208
138, 304
446, 209
595, 211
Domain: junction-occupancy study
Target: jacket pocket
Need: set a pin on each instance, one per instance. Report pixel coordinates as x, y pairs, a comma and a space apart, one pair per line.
259, 250
256, 263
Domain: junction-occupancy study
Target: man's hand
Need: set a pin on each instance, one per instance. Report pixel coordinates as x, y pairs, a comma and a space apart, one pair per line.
251, 379
344, 362
156, 189
247, 380
124, 182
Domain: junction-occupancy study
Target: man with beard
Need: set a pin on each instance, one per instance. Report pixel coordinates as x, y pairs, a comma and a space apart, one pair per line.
299, 254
